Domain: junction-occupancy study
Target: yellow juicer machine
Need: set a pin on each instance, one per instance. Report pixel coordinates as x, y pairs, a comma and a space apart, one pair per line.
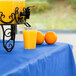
12, 12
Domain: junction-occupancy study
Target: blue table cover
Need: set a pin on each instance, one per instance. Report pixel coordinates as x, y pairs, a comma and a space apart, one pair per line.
75, 70
45, 60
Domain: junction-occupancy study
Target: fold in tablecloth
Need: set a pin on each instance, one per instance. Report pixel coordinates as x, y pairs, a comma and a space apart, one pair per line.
45, 60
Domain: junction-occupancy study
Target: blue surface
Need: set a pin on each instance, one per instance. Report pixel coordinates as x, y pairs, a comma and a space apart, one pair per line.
45, 60
75, 70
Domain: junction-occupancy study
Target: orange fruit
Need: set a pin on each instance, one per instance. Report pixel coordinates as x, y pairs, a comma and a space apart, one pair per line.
50, 37
40, 38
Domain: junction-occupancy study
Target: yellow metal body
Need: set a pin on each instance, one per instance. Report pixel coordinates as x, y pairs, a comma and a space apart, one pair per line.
8, 7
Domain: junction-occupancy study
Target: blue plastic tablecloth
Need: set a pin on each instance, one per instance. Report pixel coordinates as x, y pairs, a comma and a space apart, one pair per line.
45, 60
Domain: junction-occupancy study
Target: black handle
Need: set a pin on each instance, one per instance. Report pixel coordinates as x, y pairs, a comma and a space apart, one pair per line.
26, 12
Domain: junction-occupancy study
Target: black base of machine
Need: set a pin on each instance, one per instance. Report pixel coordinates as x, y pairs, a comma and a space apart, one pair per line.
10, 34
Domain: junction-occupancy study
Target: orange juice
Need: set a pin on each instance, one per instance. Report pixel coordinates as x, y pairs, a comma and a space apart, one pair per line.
29, 39
8, 7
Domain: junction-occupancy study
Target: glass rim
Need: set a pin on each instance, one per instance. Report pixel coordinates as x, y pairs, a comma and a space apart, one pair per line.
30, 28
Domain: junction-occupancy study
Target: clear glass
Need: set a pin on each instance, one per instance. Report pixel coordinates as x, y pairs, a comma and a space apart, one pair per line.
30, 36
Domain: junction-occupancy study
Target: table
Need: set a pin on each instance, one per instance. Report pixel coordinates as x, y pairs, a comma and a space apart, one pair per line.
75, 69
45, 60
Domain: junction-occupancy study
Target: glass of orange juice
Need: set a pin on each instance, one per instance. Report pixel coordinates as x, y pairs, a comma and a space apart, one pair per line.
29, 36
